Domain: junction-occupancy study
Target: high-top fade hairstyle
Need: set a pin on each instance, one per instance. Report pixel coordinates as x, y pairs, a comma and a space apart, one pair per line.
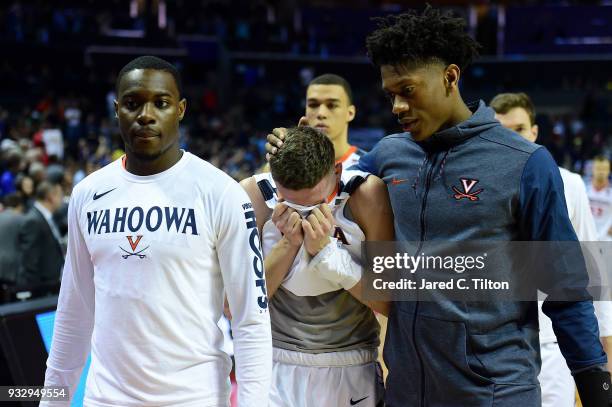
421, 38
333, 79
151, 62
304, 159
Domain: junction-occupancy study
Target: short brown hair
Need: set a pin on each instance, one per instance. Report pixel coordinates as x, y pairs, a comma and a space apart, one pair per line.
305, 157
601, 158
504, 102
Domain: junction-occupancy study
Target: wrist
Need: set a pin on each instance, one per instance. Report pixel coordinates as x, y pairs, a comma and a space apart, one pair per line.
321, 244
289, 244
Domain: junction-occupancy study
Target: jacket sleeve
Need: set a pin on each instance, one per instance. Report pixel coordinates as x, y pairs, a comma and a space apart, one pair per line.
543, 217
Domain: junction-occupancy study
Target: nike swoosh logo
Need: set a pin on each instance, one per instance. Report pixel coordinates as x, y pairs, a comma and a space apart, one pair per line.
358, 401
397, 181
98, 196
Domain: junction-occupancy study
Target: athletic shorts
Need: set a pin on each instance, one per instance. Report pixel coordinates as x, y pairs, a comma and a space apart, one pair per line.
332, 379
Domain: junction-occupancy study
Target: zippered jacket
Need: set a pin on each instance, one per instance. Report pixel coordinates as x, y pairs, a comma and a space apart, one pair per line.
477, 181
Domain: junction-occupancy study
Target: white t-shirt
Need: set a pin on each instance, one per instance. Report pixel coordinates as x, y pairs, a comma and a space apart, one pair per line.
149, 258
601, 207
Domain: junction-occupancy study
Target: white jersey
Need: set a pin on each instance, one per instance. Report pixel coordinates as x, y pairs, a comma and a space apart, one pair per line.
351, 157
601, 207
149, 258
347, 234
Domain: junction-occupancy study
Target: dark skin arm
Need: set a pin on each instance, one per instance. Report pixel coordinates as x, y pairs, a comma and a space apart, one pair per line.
371, 210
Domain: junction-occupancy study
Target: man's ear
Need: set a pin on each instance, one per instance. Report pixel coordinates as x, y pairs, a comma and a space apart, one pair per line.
451, 76
116, 108
534, 132
182, 106
352, 110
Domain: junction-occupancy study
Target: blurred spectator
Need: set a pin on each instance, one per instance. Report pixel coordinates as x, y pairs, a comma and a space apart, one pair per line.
40, 240
53, 138
14, 163
25, 186
11, 220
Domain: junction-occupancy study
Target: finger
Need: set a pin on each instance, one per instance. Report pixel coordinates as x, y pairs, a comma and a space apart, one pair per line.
296, 226
279, 209
326, 210
294, 218
314, 222
303, 121
279, 135
309, 232
270, 148
323, 220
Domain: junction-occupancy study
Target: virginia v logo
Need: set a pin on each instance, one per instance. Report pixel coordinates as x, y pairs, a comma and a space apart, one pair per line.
467, 185
134, 246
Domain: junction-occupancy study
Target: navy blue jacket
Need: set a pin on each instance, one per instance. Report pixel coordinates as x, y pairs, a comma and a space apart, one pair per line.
454, 353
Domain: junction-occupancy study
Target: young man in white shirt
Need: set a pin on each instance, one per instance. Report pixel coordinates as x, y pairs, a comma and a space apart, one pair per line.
155, 238
516, 112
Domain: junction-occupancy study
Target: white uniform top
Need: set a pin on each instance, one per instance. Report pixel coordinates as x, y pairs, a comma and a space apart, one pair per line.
584, 226
351, 157
299, 280
601, 207
148, 260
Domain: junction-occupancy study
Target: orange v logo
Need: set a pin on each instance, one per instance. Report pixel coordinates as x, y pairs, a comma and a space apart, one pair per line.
133, 244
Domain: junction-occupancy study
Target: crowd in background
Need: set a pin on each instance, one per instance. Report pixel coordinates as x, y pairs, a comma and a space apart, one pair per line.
57, 121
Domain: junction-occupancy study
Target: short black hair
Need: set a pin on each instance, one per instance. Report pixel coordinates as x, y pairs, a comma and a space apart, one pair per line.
13, 200
151, 62
421, 38
333, 79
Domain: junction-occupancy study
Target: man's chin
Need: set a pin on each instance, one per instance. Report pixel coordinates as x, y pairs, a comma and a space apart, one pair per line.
146, 155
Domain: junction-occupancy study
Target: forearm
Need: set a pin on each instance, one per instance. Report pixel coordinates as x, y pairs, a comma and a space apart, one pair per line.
576, 329
382, 307
277, 264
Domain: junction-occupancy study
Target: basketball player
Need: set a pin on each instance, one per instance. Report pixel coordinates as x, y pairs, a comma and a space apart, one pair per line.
330, 109
515, 111
154, 239
450, 353
600, 196
313, 215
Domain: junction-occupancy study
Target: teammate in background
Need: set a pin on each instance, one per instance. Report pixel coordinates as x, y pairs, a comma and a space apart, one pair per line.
600, 196
448, 353
313, 216
516, 112
330, 109
148, 261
